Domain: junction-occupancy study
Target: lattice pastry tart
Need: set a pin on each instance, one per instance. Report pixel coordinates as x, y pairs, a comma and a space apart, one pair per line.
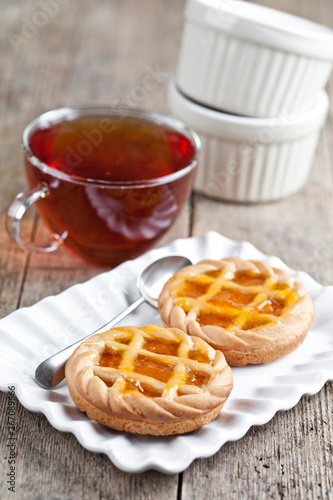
148, 380
252, 312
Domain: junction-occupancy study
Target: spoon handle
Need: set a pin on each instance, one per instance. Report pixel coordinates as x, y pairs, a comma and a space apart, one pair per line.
52, 371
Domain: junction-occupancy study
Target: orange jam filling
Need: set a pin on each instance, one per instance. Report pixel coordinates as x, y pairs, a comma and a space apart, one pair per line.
272, 306
195, 378
200, 356
207, 318
110, 358
124, 341
154, 367
232, 296
248, 278
255, 322
151, 368
193, 289
280, 286
159, 347
222, 308
213, 273
133, 385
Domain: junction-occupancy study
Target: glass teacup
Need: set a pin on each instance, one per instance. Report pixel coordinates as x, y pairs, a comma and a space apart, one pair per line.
108, 182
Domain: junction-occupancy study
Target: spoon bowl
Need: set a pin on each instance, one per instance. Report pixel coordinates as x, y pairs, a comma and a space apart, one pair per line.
152, 279
150, 283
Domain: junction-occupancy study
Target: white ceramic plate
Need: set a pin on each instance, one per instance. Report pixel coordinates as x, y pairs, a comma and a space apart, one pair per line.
29, 335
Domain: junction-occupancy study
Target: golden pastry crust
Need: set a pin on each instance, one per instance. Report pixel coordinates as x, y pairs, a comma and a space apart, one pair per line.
250, 311
148, 380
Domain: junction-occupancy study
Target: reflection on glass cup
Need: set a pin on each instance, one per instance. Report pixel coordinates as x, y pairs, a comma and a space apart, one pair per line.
108, 182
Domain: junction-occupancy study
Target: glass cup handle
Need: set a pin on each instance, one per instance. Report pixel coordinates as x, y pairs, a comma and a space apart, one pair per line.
15, 214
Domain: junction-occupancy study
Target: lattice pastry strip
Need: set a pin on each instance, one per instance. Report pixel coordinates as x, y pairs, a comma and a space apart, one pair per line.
252, 312
148, 380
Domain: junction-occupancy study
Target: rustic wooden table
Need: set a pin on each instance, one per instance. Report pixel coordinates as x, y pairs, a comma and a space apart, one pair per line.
83, 52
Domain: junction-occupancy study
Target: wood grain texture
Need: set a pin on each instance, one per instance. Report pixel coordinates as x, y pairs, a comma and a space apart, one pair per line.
99, 53
290, 457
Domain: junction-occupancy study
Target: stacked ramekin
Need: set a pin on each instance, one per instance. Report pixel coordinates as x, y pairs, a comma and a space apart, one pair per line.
250, 81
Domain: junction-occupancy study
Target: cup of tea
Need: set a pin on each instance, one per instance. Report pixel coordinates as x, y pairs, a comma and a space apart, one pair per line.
108, 182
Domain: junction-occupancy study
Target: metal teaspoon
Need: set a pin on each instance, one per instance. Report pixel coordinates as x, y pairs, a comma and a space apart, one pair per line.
150, 283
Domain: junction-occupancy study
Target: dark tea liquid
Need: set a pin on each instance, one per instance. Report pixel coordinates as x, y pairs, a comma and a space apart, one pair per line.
101, 148
104, 223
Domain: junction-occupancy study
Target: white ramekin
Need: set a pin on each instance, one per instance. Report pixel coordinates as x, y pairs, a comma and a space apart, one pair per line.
252, 60
251, 159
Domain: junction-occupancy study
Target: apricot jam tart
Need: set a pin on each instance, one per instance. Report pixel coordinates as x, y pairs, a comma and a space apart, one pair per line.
250, 311
148, 380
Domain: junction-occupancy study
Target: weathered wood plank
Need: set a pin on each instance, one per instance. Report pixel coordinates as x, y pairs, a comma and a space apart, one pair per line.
290, 457
51, 464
